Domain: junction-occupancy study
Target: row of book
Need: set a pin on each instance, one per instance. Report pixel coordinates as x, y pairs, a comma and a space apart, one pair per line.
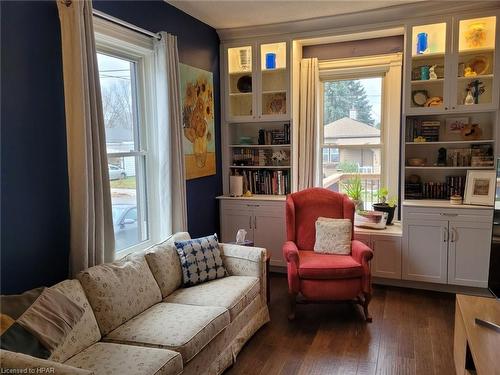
478, 155
266, 181
429, 130
454, 185
250, 157
275, 136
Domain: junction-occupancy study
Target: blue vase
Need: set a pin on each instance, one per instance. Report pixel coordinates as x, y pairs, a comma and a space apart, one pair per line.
270, 60
421, 43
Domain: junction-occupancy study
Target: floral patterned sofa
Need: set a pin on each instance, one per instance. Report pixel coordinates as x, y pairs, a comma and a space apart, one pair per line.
138, 320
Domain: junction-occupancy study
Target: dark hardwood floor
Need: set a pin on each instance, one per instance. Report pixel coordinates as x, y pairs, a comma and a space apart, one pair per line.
411, 333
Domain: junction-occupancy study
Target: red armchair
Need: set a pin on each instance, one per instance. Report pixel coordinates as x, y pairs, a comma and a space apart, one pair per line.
323, 277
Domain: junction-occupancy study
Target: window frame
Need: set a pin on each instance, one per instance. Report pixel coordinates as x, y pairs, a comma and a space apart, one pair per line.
120, 42
389, 67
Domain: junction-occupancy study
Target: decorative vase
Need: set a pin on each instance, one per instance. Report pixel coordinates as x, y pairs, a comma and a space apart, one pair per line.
384, 207
200, 151
421, 43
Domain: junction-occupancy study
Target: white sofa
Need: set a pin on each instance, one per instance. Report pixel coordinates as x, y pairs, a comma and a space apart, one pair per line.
138, 319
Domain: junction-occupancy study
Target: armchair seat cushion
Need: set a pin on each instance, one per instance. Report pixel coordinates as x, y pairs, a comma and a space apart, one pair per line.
316, 266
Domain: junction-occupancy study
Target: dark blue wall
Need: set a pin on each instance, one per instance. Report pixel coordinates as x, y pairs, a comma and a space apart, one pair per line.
34, 196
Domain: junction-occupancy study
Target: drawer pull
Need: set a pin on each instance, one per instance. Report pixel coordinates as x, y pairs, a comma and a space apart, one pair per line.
253, 205
444, 214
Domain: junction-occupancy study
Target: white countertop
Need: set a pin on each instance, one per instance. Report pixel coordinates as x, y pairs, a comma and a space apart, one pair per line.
394, 230
256, 197
441, 204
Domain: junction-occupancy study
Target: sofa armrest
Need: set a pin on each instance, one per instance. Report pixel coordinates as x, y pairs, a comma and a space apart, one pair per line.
18, 362
361, 252
246, 261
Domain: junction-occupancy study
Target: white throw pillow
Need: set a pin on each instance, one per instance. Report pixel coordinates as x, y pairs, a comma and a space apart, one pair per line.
333, 236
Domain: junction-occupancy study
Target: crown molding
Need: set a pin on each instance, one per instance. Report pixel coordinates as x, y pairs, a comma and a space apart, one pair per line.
392, 16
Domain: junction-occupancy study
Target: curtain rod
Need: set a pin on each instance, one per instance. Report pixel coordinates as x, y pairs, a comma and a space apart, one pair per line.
130, 26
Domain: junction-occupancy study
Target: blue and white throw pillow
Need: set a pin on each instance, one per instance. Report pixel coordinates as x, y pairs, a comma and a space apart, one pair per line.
200, 260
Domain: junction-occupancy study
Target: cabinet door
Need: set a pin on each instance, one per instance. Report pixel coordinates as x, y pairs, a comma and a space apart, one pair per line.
475, 60
428, 45
269, 232
386, 260
469, 253
274, 81
232, 220
425, 250
240, 83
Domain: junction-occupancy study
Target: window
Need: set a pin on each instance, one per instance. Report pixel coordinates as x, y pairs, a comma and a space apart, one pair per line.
351, 135
360, 125
124, 73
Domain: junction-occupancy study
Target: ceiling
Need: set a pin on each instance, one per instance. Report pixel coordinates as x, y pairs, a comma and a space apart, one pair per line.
242, 13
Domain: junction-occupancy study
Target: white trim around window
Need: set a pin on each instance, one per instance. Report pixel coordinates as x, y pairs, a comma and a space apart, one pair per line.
121, 42
390, 68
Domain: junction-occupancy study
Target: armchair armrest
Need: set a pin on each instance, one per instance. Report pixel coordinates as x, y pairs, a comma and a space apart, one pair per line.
291, 253
246, 261
22, 362
360, 252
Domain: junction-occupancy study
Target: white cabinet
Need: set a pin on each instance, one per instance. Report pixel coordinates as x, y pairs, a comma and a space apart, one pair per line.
425, 249
257, 81
263, 220
469, 253
447, 246
386, 262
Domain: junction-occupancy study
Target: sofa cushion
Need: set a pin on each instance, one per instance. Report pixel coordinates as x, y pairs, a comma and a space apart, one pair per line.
183, 328
119, 291
327, 266
116, 359
333, 236
43, 326
201, 260
234, 293
165, 265
85, 332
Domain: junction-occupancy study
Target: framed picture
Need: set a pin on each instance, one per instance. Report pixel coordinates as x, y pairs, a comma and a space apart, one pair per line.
454, 125
197, 100
480, 188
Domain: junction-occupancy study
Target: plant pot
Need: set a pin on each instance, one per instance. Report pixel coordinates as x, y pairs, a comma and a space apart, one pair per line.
358, 204
384, 207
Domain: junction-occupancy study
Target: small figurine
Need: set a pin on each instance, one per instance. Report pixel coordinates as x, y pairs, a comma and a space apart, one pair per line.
468, 72
476, 88
469, 99
432, 73
441, 160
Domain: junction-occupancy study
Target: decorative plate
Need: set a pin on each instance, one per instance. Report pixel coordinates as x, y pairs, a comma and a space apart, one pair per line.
244, 84
479, 64
277, 105
419, 97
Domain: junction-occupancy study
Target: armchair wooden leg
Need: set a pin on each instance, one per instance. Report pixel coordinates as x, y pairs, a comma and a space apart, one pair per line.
292, 298
366, 300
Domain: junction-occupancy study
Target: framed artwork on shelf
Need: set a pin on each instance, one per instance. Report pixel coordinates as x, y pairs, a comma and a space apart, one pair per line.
480, 188
197, 100
454, 125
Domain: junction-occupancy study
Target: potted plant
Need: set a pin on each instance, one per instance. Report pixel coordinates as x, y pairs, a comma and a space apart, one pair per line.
386, 204
354, 190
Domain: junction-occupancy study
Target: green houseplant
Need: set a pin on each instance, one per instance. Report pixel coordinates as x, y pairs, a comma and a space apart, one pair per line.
354, 190
386, 204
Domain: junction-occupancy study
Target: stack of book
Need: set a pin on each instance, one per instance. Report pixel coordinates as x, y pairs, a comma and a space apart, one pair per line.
276, 136
252, 157
482, 155
429, 130
459, 157
266, 181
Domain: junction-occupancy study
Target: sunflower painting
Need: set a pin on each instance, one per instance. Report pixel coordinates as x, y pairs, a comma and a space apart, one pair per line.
197, 99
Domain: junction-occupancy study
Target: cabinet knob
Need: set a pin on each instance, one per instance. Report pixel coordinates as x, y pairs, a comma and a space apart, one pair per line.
452, 107
445, 108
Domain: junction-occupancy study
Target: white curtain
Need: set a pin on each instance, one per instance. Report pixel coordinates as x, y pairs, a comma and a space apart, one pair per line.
91, 224
308, 124
172, 182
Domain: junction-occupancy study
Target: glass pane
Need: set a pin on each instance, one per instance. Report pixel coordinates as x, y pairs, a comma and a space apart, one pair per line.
117, 77
428, 68
476, 61
352, 120
274, 78
240, 80
127, 192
